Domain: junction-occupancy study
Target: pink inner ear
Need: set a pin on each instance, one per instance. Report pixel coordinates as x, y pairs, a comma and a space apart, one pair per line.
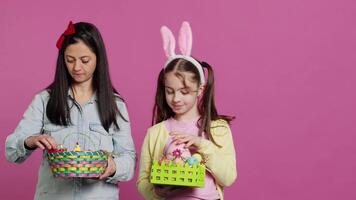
169, 43
185, 40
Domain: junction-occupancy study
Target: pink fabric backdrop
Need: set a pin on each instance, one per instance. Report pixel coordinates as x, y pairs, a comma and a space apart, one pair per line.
286, 69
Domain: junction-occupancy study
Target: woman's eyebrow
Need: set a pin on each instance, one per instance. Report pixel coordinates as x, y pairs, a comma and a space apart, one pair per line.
70, 56
79, 57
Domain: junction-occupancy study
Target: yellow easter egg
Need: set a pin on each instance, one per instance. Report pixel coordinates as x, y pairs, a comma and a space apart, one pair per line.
198, 157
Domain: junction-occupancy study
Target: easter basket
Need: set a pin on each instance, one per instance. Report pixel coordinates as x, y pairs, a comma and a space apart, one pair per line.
77, 163
169, 173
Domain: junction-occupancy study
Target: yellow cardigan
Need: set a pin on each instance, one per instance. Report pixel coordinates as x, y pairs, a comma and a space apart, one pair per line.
220, 161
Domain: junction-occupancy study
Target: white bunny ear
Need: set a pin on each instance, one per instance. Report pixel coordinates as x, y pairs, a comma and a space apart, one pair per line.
169, 43
185, 39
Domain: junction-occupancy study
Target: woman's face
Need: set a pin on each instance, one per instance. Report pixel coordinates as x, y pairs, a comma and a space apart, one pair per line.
80, 62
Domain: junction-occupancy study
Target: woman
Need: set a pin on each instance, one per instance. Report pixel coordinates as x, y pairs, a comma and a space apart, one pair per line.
80, 107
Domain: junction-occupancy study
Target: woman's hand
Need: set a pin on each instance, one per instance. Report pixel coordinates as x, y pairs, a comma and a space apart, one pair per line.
42, 141
189, 140
110, 169
168, 191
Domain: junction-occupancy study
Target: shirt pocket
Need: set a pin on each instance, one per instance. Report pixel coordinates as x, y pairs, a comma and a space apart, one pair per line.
101, 138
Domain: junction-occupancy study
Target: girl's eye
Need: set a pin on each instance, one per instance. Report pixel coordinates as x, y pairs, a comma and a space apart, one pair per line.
70, 61
184, 92
85, 61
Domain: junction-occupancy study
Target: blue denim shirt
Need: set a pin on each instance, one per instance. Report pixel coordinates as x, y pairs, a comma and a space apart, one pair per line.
86, 129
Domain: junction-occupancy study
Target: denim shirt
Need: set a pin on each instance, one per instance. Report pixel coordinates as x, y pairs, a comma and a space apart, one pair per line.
86, 129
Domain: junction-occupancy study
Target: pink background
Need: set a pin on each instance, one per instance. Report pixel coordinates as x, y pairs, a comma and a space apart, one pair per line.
286, 69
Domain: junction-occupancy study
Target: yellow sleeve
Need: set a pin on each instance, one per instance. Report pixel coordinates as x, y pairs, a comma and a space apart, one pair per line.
220, 161
143, 183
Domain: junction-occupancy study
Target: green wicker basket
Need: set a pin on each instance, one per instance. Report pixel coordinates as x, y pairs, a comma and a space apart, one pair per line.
168, 173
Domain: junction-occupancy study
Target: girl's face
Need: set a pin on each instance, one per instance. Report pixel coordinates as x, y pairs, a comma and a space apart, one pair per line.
182, 99
80, 62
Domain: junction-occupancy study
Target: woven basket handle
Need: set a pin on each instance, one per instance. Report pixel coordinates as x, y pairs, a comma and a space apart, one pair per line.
87, 136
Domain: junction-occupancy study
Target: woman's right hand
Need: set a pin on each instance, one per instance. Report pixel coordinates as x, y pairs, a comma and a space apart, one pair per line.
43, 141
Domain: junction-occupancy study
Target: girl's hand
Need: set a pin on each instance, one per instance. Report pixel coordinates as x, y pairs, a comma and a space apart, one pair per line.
189, 140
110, 169
42, 141
168, 191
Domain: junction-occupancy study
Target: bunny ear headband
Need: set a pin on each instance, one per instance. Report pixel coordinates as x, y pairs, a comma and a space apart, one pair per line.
185, 41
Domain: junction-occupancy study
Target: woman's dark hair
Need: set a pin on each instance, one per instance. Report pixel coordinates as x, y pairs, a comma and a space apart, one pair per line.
58, 110
206, 105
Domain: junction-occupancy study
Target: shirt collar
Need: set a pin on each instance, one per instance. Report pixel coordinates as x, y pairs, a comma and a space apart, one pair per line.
91, 100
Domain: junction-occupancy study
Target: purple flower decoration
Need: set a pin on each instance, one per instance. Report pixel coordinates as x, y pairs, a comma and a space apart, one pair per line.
177, 153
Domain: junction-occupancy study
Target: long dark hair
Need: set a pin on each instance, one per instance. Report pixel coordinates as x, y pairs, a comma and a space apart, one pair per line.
206, 105
58, 111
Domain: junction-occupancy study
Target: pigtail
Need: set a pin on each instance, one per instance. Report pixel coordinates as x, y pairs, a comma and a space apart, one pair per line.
207, 107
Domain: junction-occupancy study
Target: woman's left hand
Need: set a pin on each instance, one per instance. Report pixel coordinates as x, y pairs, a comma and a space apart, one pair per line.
188, 139
110, 169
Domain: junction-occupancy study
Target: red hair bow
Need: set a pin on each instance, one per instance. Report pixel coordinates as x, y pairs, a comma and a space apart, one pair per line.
69, 31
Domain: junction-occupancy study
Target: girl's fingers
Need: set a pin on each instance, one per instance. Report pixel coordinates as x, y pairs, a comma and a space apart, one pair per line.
188, 139
179, 141
176, 133
190, 143
180, 136
162, 191
184, 140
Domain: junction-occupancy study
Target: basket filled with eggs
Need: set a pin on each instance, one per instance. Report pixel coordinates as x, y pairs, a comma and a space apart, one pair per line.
77, 162
178, 167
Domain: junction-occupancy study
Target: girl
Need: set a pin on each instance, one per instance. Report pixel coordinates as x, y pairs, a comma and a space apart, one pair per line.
81, 99
185, 114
